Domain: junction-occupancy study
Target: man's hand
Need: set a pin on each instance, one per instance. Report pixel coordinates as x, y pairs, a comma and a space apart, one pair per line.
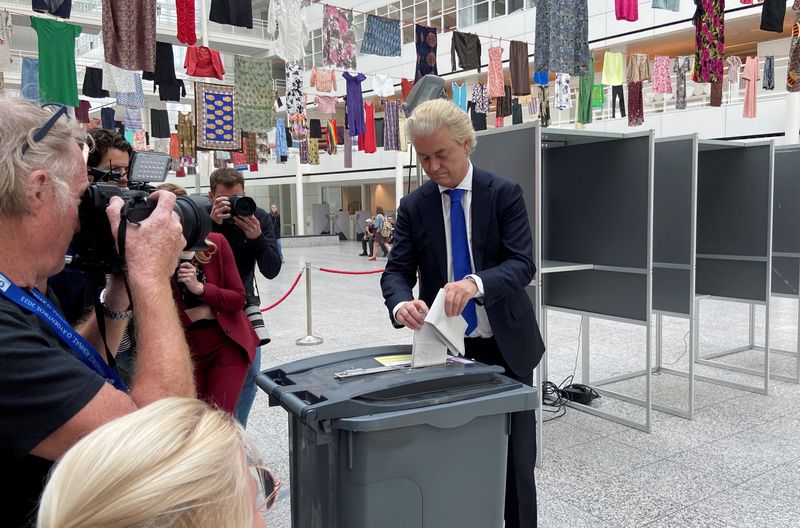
412, 314
250, 225
152, 246
187, 274
457, 294
220, 209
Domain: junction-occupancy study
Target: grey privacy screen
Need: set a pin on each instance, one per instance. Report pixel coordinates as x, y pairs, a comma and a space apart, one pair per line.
733, 221
595, 207
786, 222
674, 173
595, 202
511, 153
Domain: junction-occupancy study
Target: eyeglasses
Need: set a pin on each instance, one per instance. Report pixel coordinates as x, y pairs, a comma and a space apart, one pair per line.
268, 486
44, 129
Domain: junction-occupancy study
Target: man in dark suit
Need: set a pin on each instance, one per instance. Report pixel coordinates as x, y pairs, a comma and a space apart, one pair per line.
467, 231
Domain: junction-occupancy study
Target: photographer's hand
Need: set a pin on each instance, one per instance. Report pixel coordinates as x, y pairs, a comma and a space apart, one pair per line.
187, 274
152, 246
220, 209
250, 225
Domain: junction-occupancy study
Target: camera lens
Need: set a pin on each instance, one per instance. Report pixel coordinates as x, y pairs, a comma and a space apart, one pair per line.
195, 220
242, 206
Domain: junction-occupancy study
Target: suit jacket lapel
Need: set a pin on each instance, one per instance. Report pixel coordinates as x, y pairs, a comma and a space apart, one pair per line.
480, 214
432, 218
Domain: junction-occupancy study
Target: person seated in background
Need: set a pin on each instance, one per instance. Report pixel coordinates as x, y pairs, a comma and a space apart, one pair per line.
367, 245
381, 234
211, 298
174, 463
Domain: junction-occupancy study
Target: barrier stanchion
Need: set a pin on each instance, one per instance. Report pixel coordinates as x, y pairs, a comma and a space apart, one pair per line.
310, 339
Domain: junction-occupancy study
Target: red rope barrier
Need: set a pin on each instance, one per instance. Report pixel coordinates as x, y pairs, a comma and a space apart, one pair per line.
285, 295
341, 272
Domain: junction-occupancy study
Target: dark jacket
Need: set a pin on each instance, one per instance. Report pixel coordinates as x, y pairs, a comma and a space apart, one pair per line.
502, 249
263, 250
276, 223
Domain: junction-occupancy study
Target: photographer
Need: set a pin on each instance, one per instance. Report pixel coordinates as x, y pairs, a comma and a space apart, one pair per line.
252, 239
108, 163
54, 385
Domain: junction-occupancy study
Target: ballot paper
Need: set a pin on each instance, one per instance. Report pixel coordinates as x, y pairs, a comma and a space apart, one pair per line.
438, 334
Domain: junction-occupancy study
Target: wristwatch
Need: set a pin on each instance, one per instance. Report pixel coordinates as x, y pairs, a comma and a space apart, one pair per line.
117, 316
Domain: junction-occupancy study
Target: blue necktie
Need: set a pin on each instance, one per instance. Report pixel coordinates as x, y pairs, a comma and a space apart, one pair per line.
460, 249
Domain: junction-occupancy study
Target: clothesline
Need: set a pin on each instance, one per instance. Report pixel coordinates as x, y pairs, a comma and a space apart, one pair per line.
408, 22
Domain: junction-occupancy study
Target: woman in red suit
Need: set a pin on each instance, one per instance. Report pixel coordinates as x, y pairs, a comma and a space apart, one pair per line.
211, 299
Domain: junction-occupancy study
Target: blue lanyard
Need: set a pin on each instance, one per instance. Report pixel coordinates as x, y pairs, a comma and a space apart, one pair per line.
40, 306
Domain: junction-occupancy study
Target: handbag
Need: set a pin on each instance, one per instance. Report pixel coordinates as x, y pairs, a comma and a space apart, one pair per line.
253, 312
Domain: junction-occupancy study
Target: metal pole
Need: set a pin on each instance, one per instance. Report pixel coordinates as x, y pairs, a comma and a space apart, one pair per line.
310, 339
299, 205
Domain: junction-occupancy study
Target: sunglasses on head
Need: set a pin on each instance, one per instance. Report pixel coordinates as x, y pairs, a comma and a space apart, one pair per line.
42, 131
269, 486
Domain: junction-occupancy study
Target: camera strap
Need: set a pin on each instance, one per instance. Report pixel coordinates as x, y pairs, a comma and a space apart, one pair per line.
38, 304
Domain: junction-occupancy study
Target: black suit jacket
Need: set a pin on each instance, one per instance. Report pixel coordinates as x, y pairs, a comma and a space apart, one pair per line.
502, 250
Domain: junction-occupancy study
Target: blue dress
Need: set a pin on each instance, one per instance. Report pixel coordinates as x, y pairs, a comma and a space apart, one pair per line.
354, 103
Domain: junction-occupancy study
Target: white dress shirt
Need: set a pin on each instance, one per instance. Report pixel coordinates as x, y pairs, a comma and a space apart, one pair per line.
484, 329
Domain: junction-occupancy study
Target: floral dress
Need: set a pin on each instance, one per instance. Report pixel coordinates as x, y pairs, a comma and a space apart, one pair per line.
339, 46
495, 77
662, 83
709, 42
562, 36
480, 98
681, 68
426, 52
295, 103
563, 99
793, 72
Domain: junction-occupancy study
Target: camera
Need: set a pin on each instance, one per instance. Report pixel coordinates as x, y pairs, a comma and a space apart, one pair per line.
93, 246
242, 206
189, 299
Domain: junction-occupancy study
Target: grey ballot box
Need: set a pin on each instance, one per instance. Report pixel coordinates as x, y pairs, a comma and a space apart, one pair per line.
405, 448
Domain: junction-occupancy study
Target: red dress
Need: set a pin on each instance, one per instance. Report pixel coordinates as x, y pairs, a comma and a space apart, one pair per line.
366, 141
186, 25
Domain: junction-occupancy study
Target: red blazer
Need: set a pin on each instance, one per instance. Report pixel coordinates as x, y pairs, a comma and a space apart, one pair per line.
202, 61
225, 295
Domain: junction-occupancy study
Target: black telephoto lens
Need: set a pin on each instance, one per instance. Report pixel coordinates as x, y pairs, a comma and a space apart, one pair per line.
242, 205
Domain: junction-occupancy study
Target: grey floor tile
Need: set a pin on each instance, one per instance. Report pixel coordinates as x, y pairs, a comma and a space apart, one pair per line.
689, 518
620, 503
609, 456
745, 508
784, 427
748, 410
559, 434
555, 513
678, 483
739, 457
676, 435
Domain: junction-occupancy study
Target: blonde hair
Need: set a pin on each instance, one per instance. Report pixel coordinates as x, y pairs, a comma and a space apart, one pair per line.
432, 115
174, 463
54, 154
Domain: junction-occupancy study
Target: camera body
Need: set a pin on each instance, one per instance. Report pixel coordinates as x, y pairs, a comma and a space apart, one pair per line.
94, 247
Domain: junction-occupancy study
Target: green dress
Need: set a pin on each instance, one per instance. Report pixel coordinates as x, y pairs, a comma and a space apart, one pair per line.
584, 110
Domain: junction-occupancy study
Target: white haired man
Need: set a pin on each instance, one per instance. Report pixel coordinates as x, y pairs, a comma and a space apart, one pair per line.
54, 385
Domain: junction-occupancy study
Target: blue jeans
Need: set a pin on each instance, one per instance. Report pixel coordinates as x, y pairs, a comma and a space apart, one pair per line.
248, 394
280, 249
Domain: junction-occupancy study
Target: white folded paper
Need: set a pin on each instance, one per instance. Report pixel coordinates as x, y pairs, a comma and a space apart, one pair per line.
438, 334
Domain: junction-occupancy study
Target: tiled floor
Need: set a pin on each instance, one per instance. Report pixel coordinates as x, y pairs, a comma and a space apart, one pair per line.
735, 465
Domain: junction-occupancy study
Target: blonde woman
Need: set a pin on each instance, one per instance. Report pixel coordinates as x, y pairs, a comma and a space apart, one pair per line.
174, 463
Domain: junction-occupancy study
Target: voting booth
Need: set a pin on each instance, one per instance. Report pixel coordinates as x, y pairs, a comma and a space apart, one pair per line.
374, 442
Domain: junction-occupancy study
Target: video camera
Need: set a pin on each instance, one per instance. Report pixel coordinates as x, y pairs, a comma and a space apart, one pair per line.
94, 247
